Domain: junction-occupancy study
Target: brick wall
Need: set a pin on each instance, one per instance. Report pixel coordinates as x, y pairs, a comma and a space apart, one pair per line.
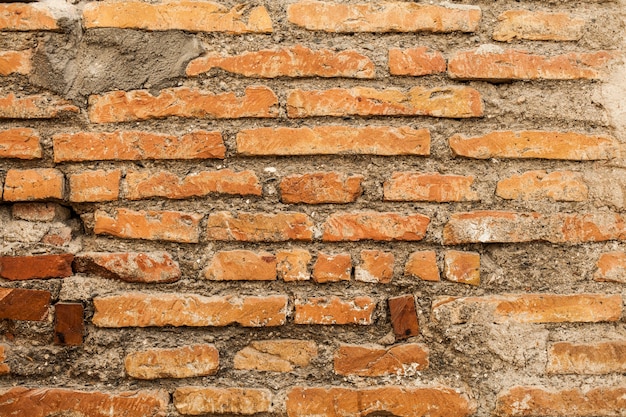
312, 209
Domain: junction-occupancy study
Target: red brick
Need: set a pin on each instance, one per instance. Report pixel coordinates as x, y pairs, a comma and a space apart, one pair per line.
330, 140
385, 17
137, 145
40, 212
17, 268
20, 304
276, 355
293, 265
190, 16
334, 310
587, 358
376, 266
137, 105
69, 324
95, 186
184, 362
422, 265
538, 26
403, 316
505, 65
297, 61
26, 17
611, 267
33, 184
320, 188
539, 185
259, 227
452, 101
173, 226
332, 268
416, 61
417, 186
171, 309
145, 267
20, 143
241, 265
463, 267
375, 226
374, 360
15, 62
45, 402
202, 400
38, 106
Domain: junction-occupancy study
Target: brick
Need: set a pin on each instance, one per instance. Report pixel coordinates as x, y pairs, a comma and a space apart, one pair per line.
332, 268
26, 17
44, 402
69, 324
538, 401
172, 309
242, 265
320, 188
422, 265
145, 184
530, 308
297, 61
403, 316
386, 17
374, 360
137, 145
144, 267
17, 268
95, 186
259, 227
538, 26
20, 143
587, 358
539, 185
15, 62
293, 265
330, 140
451, 102
416, 61
611, 267
376, 266
20, 304
39, 212
536, 144
434, 187
202, 400
437, 401
58, 236
33, 184
173, 226
494, 64
334, 310
190, 16
375, 226
40, 106
137, 105
184, 362
276, 355
463, 267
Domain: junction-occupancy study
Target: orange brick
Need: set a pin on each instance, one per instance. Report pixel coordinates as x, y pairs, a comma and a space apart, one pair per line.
539, 185
38, 106
276, 355
320, 188
536, 144
332, 268
202, 400
44, 402
439, 401
184, 362
538, 26
385, 17
422, 265
190, 16
539, 401
172, 309
173, 226
20, 143
137, 145
40, 212
463, 267
505, 65
374, 360
374, 226
26, 17
587, 358
21, 304
145, 267
259, 227
144, 184
416, 61
334, 310
330, 140
122, 106
15, 62
293, 265
417, 186
403, 316
34, 184
18, 268
611, 267
531, 308
94, 186
453, 101
297, 61
240, 265
375, 266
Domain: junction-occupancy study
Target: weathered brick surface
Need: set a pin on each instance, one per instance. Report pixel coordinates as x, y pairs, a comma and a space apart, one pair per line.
587, 358
241, 265
146, 267
539, 185
38, 106
403, 316
422, 265
21, 304
416, 61
26, 17
334, 310
20, 143
183, 362
276, 355
293, 265
538, 26
320, 188
15, 62
332, 268
611, 267
39, 212
34, 184
373, 360
200, 400
17, 268
375, 226
417, 186
375, 266
463, 267
69, 324
259, 227
95, 186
